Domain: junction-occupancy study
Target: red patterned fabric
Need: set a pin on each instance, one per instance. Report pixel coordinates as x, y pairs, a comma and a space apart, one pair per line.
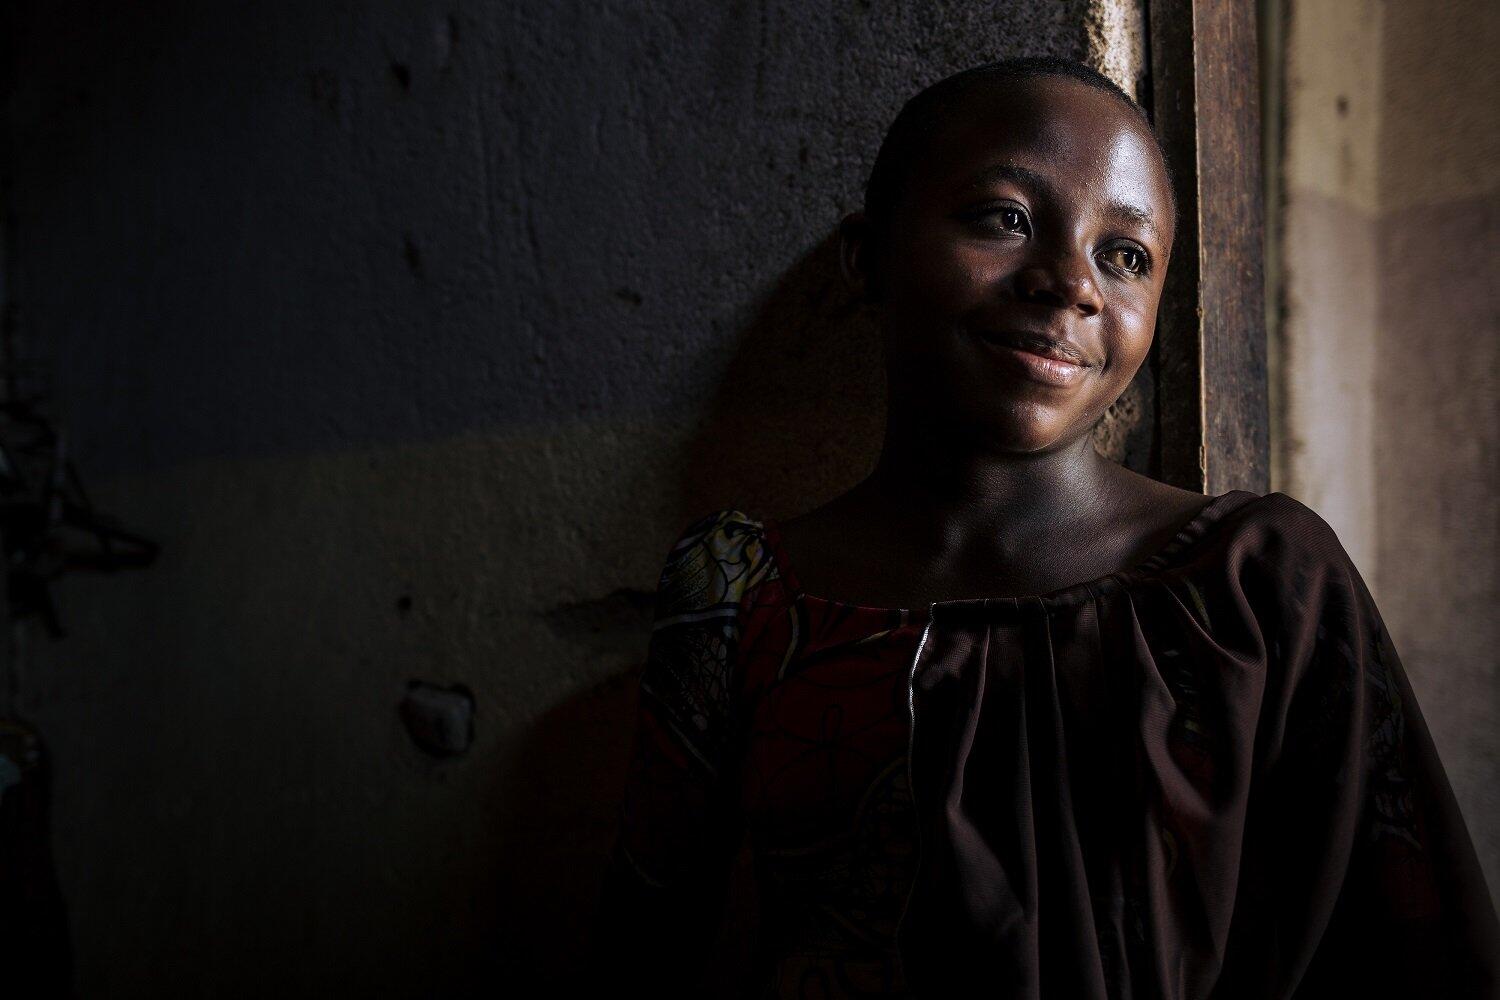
784, 716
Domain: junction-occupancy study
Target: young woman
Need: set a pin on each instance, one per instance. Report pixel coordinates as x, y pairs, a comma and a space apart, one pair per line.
1007, 719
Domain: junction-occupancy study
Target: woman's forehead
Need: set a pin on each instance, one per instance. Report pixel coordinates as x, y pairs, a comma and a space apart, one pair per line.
1038, 110
1073, 136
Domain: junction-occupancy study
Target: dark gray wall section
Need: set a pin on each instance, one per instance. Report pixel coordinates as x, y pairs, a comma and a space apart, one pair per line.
414, 332
248, 229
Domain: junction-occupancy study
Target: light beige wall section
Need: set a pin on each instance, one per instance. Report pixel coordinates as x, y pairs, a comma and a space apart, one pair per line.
1324, 355
1438, 382
1440, 90
1387, 359
1116, 36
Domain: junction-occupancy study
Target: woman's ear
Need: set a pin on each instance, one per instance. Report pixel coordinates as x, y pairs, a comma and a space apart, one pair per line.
855, 250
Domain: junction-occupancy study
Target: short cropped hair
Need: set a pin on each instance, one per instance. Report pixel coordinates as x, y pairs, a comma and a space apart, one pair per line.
924, 115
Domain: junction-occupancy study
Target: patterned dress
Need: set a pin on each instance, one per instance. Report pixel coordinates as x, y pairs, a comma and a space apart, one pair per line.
1205, 775
797, 707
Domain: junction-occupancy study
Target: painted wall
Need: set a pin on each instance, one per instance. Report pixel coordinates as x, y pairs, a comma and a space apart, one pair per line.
1388, 353
414, 332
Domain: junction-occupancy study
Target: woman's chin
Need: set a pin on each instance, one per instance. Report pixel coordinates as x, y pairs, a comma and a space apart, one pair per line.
1011, 440
1026, 430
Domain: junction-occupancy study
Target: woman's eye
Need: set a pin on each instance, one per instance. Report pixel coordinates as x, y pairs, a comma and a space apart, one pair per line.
1128, 259
1012, 220
1005, 219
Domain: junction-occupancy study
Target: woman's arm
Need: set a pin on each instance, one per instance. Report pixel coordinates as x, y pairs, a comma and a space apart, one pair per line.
662, 901
1359, 838
1413, 916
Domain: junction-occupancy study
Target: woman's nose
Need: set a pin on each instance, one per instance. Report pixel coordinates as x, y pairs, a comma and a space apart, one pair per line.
1065, 283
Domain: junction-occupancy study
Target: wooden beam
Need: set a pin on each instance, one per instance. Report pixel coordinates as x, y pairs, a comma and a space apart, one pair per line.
1213, 420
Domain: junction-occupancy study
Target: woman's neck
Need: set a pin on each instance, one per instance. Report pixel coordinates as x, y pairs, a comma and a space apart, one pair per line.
948, 485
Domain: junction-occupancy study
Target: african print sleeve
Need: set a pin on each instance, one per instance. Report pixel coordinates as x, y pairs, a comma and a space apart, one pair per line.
1357, 840
678, 825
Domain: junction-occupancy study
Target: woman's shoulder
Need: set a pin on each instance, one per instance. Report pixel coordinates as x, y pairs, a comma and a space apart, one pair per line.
1271, 528
715, 560
1270, 556
1238, 527
722, 535
723, 528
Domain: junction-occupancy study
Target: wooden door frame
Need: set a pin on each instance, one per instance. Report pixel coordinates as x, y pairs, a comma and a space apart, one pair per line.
1212, 412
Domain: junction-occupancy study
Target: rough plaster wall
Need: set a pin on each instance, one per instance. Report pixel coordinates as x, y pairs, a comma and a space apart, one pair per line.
414, 332
1388, 356
1438, 382
1117, 44
1325, 353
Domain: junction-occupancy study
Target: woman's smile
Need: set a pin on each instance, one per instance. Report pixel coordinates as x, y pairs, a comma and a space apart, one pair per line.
1046, 360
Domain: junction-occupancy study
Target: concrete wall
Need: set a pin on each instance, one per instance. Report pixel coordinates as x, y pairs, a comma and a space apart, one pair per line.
1324, 384
1388, 419
1437, 381
414, 332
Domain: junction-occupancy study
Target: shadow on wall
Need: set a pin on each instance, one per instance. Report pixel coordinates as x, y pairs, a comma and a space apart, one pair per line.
797, 417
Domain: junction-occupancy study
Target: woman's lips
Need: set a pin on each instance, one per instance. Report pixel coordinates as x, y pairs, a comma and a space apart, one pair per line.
1054, 370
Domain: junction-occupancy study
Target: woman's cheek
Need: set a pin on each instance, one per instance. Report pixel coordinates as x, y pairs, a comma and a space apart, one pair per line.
949, 276
1132, 330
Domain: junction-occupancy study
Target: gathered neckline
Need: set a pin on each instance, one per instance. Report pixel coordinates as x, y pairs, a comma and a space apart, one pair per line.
1191, 531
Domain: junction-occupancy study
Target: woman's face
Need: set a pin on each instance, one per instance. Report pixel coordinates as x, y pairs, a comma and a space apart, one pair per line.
1023, 263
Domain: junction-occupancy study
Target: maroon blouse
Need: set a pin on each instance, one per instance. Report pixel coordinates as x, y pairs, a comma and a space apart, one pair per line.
1205, 776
